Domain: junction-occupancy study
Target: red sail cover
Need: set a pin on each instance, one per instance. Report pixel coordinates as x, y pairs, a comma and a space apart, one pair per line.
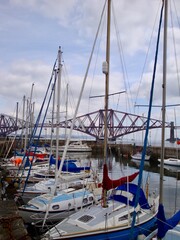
109, 183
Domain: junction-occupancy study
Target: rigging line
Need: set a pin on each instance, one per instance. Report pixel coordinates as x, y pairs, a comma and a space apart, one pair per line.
145, 62
176, 195
167, 105
59, 175
175, 52
65, 93
121, 55
98, 48
34, 131
37, 142
38, 139
67, 81
108, 94
44, 100
148, 123
176, 14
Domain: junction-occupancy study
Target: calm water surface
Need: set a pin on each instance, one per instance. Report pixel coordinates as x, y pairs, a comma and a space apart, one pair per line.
119, 167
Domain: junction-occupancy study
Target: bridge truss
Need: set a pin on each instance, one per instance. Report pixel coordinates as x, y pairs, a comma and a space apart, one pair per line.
119, 124
10, 124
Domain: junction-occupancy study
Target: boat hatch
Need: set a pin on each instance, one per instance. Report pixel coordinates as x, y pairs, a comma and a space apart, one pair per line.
85, 218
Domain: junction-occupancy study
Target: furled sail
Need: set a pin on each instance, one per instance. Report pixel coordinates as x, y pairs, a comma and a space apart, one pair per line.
108, 183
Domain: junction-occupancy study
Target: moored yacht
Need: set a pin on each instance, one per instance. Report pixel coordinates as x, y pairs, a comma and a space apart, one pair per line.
76, 147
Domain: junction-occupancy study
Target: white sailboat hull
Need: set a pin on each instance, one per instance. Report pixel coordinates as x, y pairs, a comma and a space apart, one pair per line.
76, 147
97, 222
171, 162
138, 156
58, 207
48, 186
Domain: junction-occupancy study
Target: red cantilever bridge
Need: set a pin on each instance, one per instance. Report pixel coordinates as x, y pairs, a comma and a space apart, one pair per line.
119, 124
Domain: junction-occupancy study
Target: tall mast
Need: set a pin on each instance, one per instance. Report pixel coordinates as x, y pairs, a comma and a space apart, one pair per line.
66, 117
30, 109
17, 109
106, 72
107, 79
23, 115
52, 117
58, 105
163, 101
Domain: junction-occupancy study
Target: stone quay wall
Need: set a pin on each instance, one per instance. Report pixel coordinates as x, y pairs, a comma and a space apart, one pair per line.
97, 147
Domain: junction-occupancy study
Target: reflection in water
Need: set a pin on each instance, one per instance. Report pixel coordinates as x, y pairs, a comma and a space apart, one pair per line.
78, 155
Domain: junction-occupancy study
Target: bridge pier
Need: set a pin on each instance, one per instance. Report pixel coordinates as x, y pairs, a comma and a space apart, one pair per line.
172, 139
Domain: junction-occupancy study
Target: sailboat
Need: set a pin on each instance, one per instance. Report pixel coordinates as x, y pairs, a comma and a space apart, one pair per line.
75, 176
112, 217
64, 203
174, 162
69, 197
138, 156
77, 147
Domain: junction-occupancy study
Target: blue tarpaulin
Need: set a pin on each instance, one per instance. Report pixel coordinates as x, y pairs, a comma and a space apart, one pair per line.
69, 165
132, 188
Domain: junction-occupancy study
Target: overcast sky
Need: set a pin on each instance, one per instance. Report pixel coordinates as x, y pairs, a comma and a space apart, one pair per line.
31, 32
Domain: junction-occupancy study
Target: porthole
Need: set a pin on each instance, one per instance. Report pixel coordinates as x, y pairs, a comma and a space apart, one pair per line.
91, 198
55, 207
85, 200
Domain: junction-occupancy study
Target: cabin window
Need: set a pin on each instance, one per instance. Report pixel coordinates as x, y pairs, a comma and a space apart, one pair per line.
85, 200
85, 218
125, 217
55, 207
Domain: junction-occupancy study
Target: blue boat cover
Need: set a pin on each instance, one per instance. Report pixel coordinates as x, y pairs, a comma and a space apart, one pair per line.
132, 188
69, 165
165, 225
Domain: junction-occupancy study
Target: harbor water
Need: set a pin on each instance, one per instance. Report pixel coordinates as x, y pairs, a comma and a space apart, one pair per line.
120, 167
